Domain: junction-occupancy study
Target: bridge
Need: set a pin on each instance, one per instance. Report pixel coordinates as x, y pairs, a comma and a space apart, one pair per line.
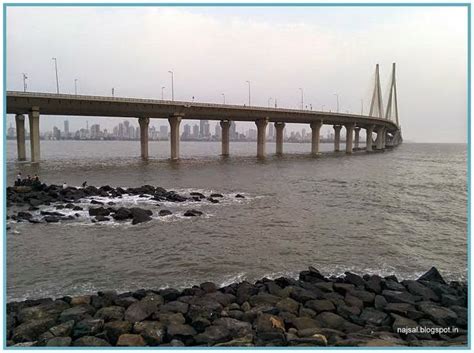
382, 122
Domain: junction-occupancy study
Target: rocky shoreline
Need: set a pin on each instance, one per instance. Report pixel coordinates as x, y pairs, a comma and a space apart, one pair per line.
313, 310
29, 200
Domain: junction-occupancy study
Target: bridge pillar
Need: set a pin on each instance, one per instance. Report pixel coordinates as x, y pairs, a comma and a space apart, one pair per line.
261, 134
174, 135
337, 137
356, 137
315, 132
279, 126
349, 137
144, 122
225, 125
379, 141
33, 117
20, 136
369, 141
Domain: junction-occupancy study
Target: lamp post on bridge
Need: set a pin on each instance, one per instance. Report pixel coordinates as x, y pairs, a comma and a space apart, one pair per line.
249, 91
57, 78
302, 100
172, 84
162, 94
223, 96
24, 82
113, 92
337, 102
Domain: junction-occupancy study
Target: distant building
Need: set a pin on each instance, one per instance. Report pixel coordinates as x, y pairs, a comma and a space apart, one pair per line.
271, 131
218, 131
195, 131
186, 131
163, 132
66, 129
95, 132
56, 133
11, 133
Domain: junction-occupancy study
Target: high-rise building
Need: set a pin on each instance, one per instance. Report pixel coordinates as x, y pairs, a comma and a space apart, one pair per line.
186, 131
271, 131
233, 135
56, 133
95, 131
202, 128
195, 131
218, 131
252, 134
163, 132
11, 132
66, 129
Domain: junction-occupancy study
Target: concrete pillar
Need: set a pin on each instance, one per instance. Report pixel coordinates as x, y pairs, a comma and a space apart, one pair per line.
368, 141
315, 132
379, 141
20, 136
144, 122
225, 125
279, 126
33, 117
174, 136
261, 136
356, 137
349, 137
337, 137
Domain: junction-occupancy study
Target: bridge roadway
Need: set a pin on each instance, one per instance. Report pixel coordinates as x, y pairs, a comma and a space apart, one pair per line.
33, 103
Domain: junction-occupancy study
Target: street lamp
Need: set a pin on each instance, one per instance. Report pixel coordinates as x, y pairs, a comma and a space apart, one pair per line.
24, 82
172, 84
57, 79
162, 94
268, 102
113, 92
301, 98
223, 96
337, 102
249, 91
75, 86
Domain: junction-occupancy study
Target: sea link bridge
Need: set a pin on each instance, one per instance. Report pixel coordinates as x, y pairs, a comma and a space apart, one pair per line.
383, 123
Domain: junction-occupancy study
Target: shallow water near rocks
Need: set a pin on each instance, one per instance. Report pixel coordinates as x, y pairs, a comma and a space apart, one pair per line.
398, 212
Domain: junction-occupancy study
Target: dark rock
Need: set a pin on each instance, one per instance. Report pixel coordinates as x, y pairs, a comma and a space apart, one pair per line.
239, 196
110, 313
288, 305
399, 297
208, 287
399, 308
51, 219
236, 328
30, 331
450, 300
151, 331
320, 305
440, 315
416, 288
213, 334
62, 330
192, 213
200, 324
210, 199
24, 215
77, 313
403, 324
354, 279
303, 295
393, 285
169, 294
122, 214
175, 307
170, 318
374, 284
180, 330
303, 323
141, 310
244, 291
216, 195
343, 288
114, 329
140, 215
90, 341
347, 311
59, 342
47, 310
95, 202
98, 211
380, 302
102, 218
77, 208
130, 340
163, 213
264, 299
88, 327
330, 320
373, 317
432, 275
366, 297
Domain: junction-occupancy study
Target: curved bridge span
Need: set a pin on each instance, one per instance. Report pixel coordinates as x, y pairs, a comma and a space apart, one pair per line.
388, 132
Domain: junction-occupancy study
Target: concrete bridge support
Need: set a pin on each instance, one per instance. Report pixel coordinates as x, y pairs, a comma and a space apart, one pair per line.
34, 117
369, 141
20, 136
225, 126
349, 137
356, 137
337, 137
261, 136
315, 132
379, 141
144, 122
174, 136
279, 126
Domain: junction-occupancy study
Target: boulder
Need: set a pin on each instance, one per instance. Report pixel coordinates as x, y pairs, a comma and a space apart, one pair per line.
432, 275
374, 284
180, 330
373, 317
169, 294
77, 313
98, 211
140, 215
141, 310
51, 219
62, 330
122, 214
88, 327
163, 213
59, 342
213, 334
354, 279
130, 340
42, 311
320, 305
90, 341
175, 307
31, 330
418, 289
236, 328
151, 331
438, 314
330, 320
402, 325
110, 313
366, 297
114, 329
264, 299
192, 213
289, 305
303, 323
399, 297
83, 299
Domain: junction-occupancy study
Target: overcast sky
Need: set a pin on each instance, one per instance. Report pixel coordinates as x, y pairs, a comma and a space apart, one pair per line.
216, 50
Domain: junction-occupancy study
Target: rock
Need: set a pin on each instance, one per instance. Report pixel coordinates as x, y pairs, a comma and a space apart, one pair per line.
402, 325
169, 294
440, 315
122, 214
343, 288
170, 318
197, 194
110, 313
51, 219
394, 286
374, 284
264, 299
151, 331
289, 305
95, 202
84, 299
77, 208
88, 327
192, 213
452, 300
244, 291
330, 320
208, 287
141, 310
246, 341
399, 308
236, 328
24, 215
210, 199
114, 329
125, 301
320, 305
59, 342
213, 334
216, 195
380, 302
373, 317
302, 295
354, 301
62, 330
130, 340
163, 213
269, 323
140, 215
366, 297
311, 276
399, 297
101, 219
77, 313
90, 341
303, 323
432, 275
416, 288
30, 331
239, 196
175, 307
347, 311
42, 311
180, 330
98, 211
354, 279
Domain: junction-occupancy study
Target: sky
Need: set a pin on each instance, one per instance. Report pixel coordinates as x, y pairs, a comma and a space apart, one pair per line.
323, 50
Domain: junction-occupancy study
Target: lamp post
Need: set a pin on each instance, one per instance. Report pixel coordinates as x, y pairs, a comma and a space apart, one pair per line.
75, 86
337, 102
172, 84
223, 96
302, 101
162, 94
24, 82
113, 92
249, 91
57, 78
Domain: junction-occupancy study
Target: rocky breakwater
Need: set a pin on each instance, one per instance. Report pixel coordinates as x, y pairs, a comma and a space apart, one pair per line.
310, 311
29, 201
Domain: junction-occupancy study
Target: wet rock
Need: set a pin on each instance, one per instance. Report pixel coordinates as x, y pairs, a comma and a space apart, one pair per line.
163, 213
175, 307
432, 275
59, 342
302, 295
122, 214
114, 329
330, 320
216, 195
83, 299
90, 341
141, 310
418, 289
394, 286
197, 194
125, 301
192, 213
239, 196
374, 284
130, 340
320, 305
288, 305
169, 294
98, 211
110, 313
440, 315
62, 330
354, 279
347, 311
343, 288
399, 297
77, 208
373, 317
366, 297
101, 219
140, 215
88, 327
264, 299
168, 318
213, 334
30, 331
210, 199
95, 202
77, 313
151, 331
24, 215
51, 219
380, 302
42, 311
